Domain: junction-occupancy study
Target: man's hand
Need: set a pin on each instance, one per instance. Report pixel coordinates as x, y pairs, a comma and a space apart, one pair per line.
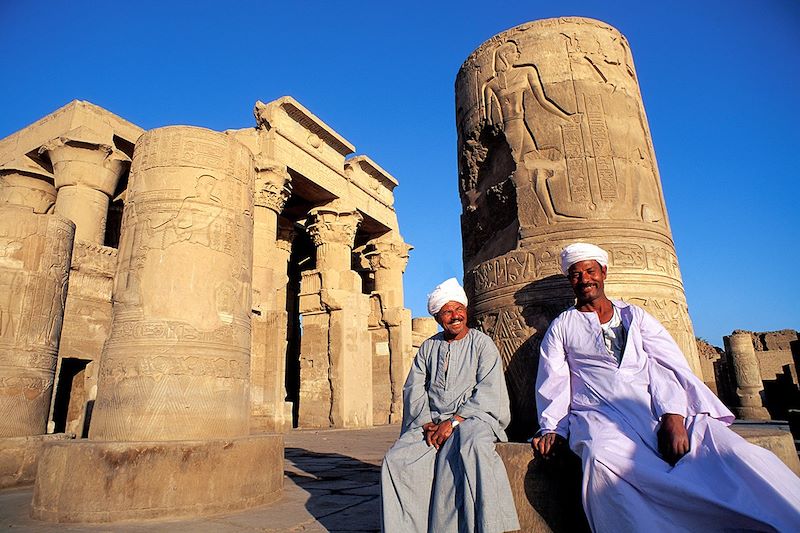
437, 434
429, 429
673, 441
547, 445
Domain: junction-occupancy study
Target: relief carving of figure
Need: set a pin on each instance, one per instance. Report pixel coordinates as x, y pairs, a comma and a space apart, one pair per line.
193, 221
506, 96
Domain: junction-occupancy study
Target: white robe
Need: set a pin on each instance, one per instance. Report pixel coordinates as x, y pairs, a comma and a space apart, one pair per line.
464, 486
610, 414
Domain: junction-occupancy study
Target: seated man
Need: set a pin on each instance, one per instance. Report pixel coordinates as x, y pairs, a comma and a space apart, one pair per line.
443, 474
653, 440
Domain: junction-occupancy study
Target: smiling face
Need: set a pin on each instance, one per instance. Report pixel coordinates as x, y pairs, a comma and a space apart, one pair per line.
588, 281
453, 319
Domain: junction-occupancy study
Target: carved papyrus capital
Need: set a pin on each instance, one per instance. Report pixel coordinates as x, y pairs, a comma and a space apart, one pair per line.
273, 184
387, 254
334, 223
82, 157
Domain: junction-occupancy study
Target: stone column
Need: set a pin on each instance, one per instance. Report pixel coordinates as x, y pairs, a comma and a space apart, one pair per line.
388, 257
87, 171
335, 354
35, 254
23, 186
170, 429
742, 357
268, 358
423, 327
554, 148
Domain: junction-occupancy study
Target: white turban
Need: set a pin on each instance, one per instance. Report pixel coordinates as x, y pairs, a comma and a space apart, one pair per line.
447, 291
581, 251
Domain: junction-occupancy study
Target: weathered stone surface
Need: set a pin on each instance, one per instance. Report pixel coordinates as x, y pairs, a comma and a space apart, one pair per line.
742, 356
19, 458
30, 188
176, 364
336, 351
35, 255
88, 481
547, 493
554, 148
776, 440
270, 319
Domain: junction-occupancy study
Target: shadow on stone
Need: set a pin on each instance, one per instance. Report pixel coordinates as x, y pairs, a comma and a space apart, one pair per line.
344, 492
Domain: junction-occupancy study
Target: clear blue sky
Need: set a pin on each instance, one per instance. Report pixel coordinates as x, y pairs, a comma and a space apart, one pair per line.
720, 83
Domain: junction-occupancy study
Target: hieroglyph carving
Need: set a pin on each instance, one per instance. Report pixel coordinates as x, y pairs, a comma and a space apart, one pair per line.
175, 365
35, 254
562, 97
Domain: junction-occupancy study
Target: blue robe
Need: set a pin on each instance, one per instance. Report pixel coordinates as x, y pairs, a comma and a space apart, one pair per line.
463, 486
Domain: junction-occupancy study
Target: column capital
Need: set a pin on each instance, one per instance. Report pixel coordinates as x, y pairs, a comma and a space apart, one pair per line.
273, 185
82, 157
285, 235
22, 184
335, 222
391, 254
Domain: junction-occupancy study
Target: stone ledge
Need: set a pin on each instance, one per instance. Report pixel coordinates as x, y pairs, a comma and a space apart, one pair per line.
97, 481
548, 493
19, 457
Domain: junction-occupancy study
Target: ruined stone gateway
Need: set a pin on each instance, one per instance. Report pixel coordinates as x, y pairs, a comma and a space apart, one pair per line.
554, 148
178, 297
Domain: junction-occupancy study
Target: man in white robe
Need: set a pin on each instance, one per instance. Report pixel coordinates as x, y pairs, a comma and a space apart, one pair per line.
443, 473
656, 451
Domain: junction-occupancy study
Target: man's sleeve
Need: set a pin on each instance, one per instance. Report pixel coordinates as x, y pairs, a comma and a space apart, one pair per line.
553, 389
416, 409
674, 387
490, 396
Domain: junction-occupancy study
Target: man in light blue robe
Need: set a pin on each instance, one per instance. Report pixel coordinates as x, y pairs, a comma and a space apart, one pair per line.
443, 473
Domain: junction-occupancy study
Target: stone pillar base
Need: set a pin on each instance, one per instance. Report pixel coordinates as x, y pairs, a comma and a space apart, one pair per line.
19, 457
99, 481
751, 413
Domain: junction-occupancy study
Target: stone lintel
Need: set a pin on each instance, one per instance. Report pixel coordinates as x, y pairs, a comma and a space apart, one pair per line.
287, 114
364, 173
102, 482
74, 114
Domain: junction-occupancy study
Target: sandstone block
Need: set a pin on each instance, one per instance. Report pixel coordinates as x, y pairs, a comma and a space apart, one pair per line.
91, 481
19, 458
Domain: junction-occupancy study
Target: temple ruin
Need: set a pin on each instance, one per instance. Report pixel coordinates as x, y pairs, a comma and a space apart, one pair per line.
185, 291
554, 148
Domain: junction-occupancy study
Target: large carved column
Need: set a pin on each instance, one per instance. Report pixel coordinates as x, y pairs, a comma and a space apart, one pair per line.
747, 374
35, 254
388, 257
170, 430
268, 358
554, 148
86, 171
335, 354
